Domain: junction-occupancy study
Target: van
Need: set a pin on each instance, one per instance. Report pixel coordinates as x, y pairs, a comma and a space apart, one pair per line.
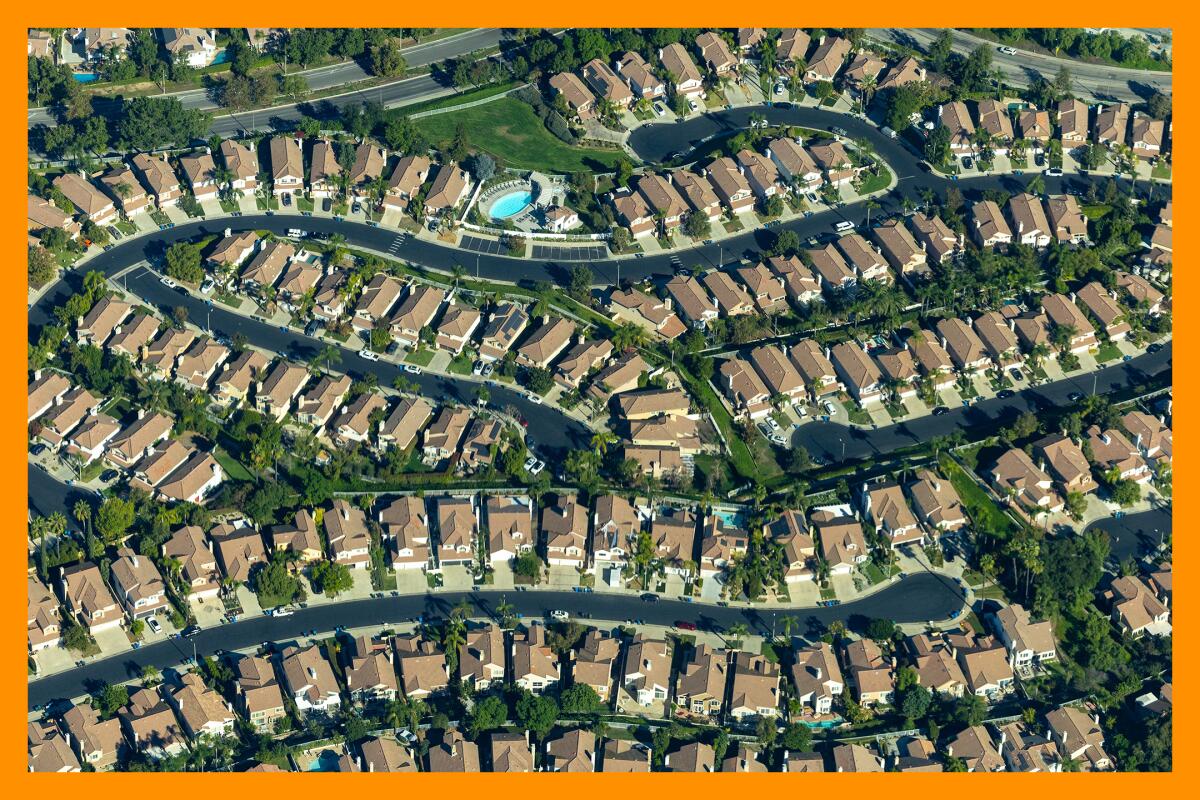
888, 132
843, 226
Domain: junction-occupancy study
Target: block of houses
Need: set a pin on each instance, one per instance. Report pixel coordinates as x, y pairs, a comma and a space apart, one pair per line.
647, 675
1029, 224
730, 185
574, 93
405, 525
201, 173
606, 84
408, 176
965, 348
456, 327
1103, 305
901, 249
124, 188
692, 301
827, 59
1079, 737
632, 305
158, 176
936, 502
415, 313
754, 691
150, 726
886, 506
310, 681
57, 424
348, 535
458, 527
988, 225
242, 161
843, 544
1026, 486
858, 372
871, 674
400, 428
87, 199
300, 537
506, 322
535, 666
138, 584
565, 532
698, 191
1072, 123
747, 393
377, 299
868, 263
956, 119
994, 120
1027, 642
1063, 313
259, 695
594, 661
681, 70
87, 598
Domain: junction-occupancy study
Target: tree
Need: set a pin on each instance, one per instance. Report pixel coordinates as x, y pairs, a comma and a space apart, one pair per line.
538, 380
915, 703
488, 714
331, 578
537, 713
109, 699
183, 262
293, 86
42, 266
529, 566
581, 699
481, 166
275, 584
697, 225
114, 518
970, 710
796, 737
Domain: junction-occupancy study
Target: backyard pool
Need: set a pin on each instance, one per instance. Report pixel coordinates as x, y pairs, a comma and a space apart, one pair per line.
326, 761
510, 205
85, 77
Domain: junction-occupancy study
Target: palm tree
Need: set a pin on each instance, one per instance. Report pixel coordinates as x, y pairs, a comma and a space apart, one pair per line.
506, 613
601, 441
867, 87
735, 633
328, 355
871, 203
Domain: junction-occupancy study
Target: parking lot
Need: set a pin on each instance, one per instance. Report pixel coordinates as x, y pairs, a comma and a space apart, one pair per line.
558, 252
479, 245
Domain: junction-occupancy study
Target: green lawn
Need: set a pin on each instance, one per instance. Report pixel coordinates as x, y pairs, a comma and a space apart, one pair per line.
985, 514
1108, 352
461, 364
875, 183
1161, 171
420, 357
233, 468
857, 415
1096, 211
509, 130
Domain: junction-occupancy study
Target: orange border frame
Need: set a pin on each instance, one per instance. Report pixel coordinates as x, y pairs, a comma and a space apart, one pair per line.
664, 13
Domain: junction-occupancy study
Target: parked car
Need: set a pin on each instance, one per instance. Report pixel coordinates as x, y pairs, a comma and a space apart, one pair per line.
152, 624
37, 449
1075, 397
968, 162
538, 467
1017, 375
168, 282
282, 612
940, 410
412, 369
559, 615
477, 369
326, 204
109, 475
684, 625
208, 286
1004, 394
287, 199
1054, 172
659, 110
191, 630
843, 226
530, 463
369, 355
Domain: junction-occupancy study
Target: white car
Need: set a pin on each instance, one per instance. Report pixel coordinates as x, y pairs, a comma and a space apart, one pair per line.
773, 423
779, 88
659, 110
1008, 51
530, 463
152, 624
477, 369
208, 286
281, 612
412, 368
843, 226
536, 399
778, 439
801, 411
369, 355
538, 467
168, 282
560, 615
828, 406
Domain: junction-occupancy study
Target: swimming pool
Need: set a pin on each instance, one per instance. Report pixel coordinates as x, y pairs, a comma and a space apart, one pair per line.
326, 761
732, 519
85, 77
510, 205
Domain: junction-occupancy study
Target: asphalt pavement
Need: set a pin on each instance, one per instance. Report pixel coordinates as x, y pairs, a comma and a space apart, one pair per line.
915, 598
1101, 82
400, 92
1135, 535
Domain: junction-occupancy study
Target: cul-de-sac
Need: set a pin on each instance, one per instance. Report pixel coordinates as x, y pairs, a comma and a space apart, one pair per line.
600, 400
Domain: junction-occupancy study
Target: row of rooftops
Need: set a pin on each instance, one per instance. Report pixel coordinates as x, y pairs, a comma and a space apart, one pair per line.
1109, 125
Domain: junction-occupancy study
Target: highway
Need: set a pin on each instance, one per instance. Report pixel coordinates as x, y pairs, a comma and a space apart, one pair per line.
1100, 82
401, 92
915, 598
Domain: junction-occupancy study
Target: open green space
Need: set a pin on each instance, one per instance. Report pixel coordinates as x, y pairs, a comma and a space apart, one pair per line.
509, 130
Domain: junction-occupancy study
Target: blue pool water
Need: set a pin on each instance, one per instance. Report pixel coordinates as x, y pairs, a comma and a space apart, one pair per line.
221, 57
510, 204
85, 77
325, 762
732, 519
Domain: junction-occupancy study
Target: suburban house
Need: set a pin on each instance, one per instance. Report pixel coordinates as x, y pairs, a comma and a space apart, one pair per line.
730, 184
697, 308
753, 688
405, 524
641, 79
242, 161
159, 177
858, 372
89, 200
1030, 226
565, 532
941, 244
936, 502
885, 505
605, 83
1111, 125
1024, 485
702, 680
817, 677
287, 166
827, 59
1072, 123
681, 70
309, 678
988, 225
575, 93
647, 675
505, 323
138, 584
408, 176
1028, 642
448, 189
956, 119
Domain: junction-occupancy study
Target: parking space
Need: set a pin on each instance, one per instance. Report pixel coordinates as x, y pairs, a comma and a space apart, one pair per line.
558, 252
478, 245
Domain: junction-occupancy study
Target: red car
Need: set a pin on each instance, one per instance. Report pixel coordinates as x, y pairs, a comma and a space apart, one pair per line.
684, 625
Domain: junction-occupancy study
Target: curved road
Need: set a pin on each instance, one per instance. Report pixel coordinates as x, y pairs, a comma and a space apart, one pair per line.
916, 598
1135, 535
1100, 81
402, 92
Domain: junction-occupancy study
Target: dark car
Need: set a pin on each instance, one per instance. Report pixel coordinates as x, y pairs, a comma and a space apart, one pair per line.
191, 630
650, 597
684, 625
1075, 397
38, 449
1004, 394
1154, 348
357, 207
1016, 374
287, 199
326, 204
940, 410
312, 327
109, 475
968, 162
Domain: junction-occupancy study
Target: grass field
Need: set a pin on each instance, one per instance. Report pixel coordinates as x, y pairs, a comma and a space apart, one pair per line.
509, 130
985, 514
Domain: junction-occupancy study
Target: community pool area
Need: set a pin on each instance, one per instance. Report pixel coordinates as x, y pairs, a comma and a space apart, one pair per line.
510, 205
